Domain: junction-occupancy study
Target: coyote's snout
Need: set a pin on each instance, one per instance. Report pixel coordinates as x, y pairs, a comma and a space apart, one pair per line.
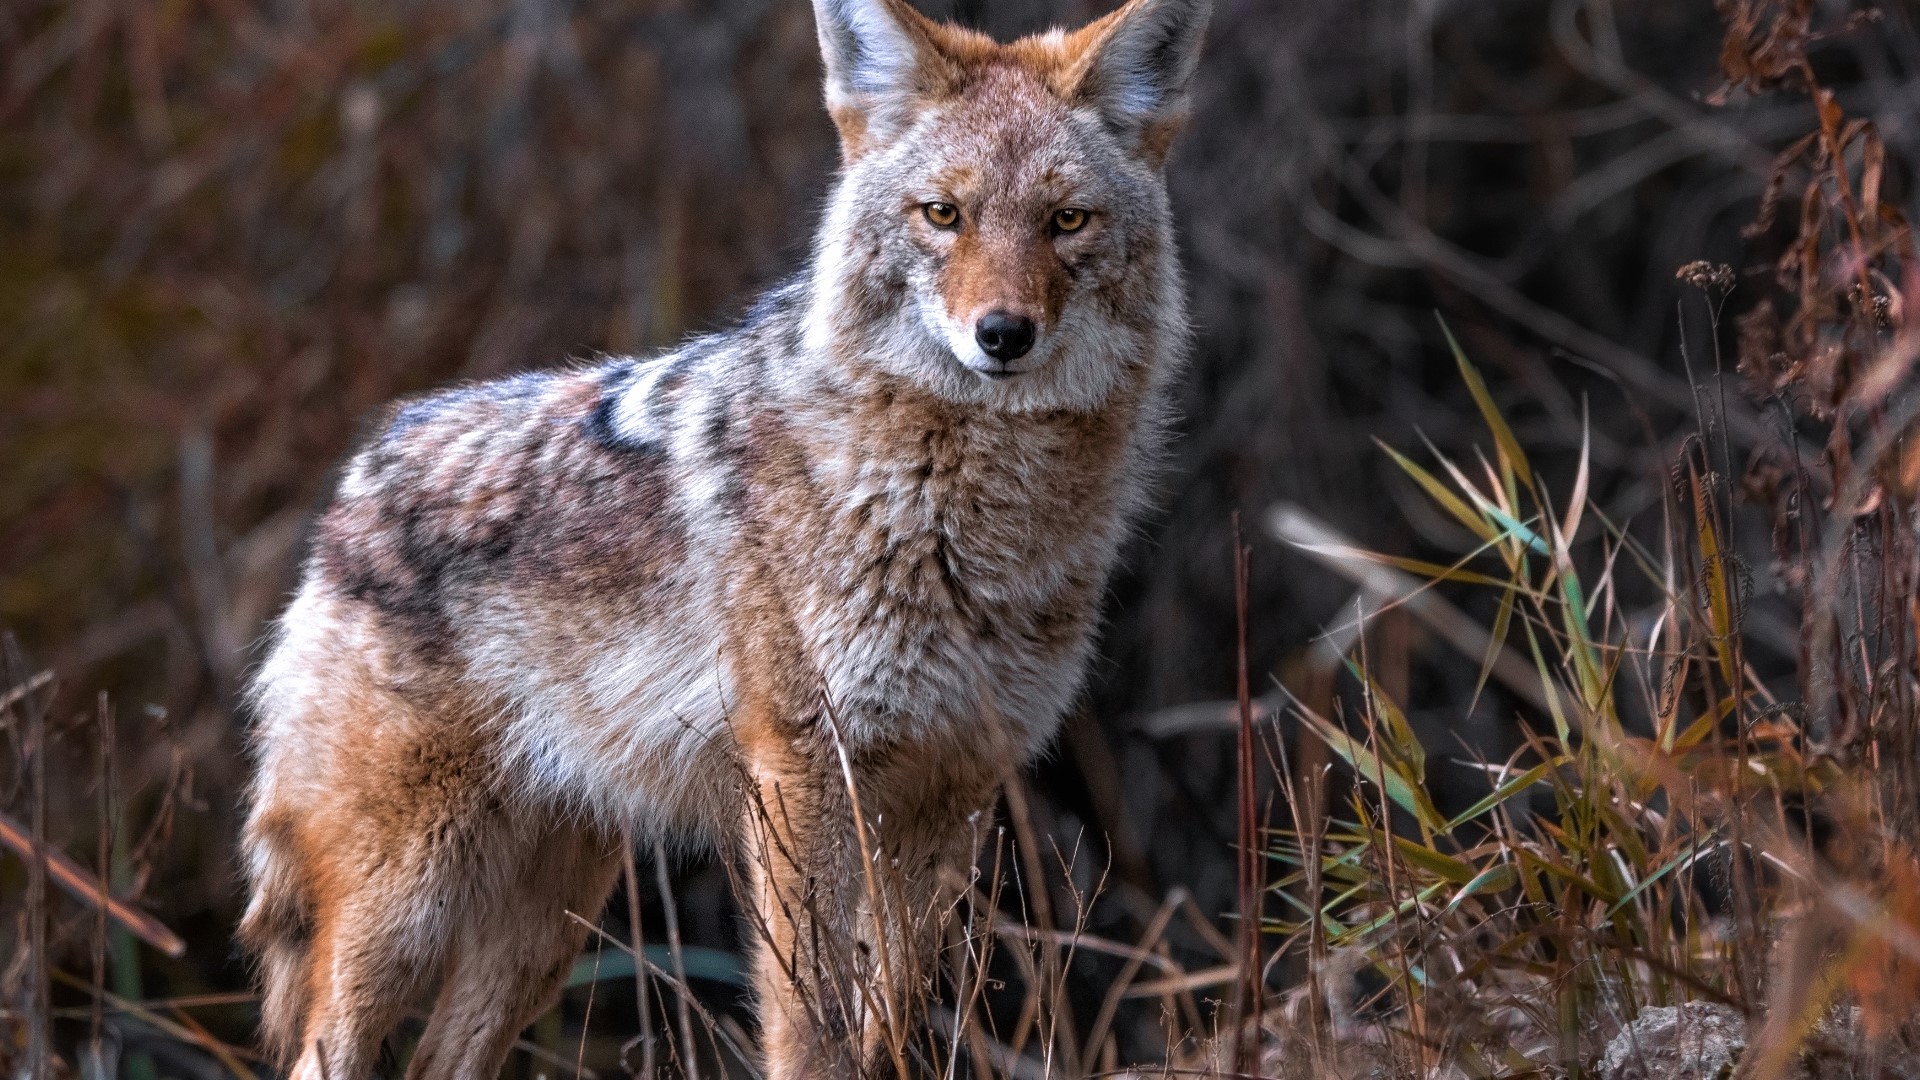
849, 552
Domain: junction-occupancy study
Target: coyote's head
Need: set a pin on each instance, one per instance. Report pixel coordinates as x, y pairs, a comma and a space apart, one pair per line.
1000, 234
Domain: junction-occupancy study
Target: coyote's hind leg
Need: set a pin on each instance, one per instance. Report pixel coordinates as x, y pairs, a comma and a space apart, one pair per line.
380, 928
512, 953
370, 821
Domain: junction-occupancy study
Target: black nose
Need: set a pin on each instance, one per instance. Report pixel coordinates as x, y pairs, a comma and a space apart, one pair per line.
1004, 337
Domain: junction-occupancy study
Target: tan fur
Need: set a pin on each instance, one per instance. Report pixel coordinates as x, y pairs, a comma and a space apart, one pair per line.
810, 589
1016, 274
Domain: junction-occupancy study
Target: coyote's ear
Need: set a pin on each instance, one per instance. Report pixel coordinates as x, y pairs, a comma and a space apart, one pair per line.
879, 57
1135, 65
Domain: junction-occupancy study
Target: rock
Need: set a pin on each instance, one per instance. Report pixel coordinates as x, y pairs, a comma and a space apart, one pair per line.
1695, 1041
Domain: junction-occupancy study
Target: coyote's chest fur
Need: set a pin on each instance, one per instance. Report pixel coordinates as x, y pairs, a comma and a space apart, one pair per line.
588, 559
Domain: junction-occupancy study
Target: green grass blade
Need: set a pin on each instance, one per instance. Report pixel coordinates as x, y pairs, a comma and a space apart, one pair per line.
1439, 493
1509, 446
1439, 863
1496, 878
1677, 863
1496, 641
1504, 792
1402, 789
714, 965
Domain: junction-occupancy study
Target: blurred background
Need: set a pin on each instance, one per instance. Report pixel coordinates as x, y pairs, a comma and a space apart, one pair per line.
231, 229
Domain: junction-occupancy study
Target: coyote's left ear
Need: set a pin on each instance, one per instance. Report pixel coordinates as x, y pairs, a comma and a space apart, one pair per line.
1135, 66
881, 60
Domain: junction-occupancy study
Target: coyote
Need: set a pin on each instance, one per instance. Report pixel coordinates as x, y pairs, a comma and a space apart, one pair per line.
810, 588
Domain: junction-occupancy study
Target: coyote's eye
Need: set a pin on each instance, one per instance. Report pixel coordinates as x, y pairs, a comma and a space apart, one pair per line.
941, 215
1071, 219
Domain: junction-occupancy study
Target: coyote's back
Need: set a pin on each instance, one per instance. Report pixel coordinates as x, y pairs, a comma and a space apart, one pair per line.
857, 541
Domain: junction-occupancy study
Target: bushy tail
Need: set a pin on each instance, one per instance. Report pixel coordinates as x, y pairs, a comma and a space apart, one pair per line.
277, 930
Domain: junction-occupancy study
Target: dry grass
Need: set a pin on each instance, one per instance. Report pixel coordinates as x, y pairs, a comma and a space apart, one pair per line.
1679, 824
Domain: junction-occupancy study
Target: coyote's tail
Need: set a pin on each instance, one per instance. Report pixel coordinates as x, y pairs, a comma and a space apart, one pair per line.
277, 930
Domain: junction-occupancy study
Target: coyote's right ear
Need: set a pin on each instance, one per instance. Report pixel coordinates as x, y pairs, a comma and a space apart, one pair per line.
880, 58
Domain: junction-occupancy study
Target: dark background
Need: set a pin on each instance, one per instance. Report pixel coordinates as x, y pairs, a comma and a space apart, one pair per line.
230, 229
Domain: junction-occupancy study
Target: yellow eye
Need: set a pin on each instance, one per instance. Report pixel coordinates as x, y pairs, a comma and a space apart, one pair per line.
941, 215
1071, 219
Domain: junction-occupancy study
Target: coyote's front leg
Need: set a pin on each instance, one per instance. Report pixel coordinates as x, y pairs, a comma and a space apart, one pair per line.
850, 890
802, 870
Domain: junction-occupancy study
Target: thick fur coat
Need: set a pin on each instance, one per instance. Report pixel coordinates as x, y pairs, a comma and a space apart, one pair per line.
849, 553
